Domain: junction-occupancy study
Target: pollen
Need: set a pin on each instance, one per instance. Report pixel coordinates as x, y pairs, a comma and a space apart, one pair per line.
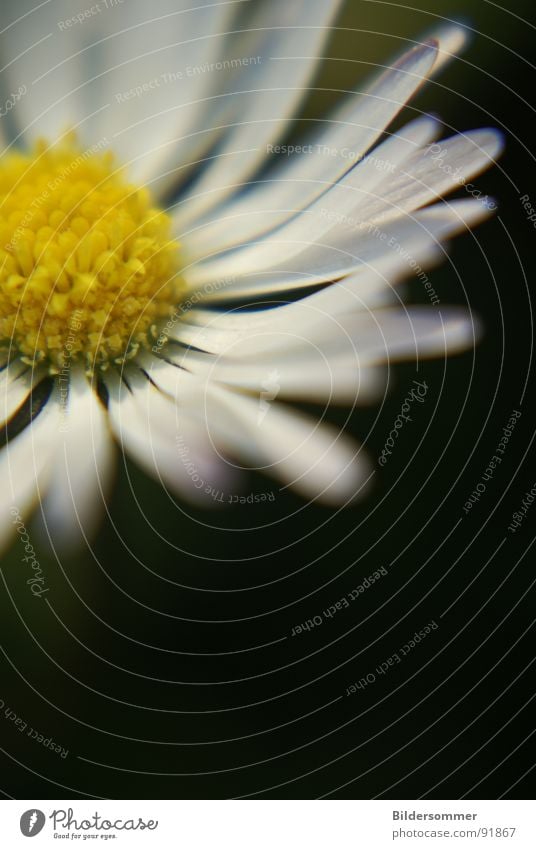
88, 266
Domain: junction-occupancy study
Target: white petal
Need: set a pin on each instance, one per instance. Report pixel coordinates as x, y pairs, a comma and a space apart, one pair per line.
432, 173
182, 386
16, 382
351, 130
174, 60
166, 439
310, 318
357, 200
308, 375
289, 42
269, 204
82, 468
410, 241
315, 459
77, 62
25, 465
306, 371
366, 289
452, 40
358, 339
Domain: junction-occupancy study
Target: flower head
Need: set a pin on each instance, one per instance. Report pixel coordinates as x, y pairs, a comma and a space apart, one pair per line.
172, 273
84, 251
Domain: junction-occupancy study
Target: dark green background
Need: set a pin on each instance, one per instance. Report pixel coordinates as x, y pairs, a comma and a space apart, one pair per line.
126, 668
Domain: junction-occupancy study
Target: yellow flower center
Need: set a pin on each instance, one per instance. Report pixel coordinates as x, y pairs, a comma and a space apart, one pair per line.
87, 265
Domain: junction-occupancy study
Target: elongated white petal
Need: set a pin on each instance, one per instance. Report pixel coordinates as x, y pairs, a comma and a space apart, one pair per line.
413, 240
270, 203
332, 360
452, 40
25, 466
313, 458
16, 382
353, 202
166, 439
101, 70
324, 157
288, 44
368, 288
178, 383
135, 437
163, 88
82, 467
431, 173
308, 375
342, 141
359, 338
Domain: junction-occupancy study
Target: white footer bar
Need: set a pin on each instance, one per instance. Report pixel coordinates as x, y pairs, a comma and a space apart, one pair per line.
269, 824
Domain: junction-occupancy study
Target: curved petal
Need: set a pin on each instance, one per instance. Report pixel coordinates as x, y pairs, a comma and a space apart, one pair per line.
353, 204
25, 465
315, 459
327, 155
287, 40
82, 467
400, 246
16, 383
165, 437
268, 204
307, 375
365, 337
343, 140
105, 67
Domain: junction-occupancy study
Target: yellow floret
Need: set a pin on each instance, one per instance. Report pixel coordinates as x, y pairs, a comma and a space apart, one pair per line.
87, 264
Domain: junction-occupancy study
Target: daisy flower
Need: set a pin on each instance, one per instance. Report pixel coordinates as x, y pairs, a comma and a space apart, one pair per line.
173, 273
